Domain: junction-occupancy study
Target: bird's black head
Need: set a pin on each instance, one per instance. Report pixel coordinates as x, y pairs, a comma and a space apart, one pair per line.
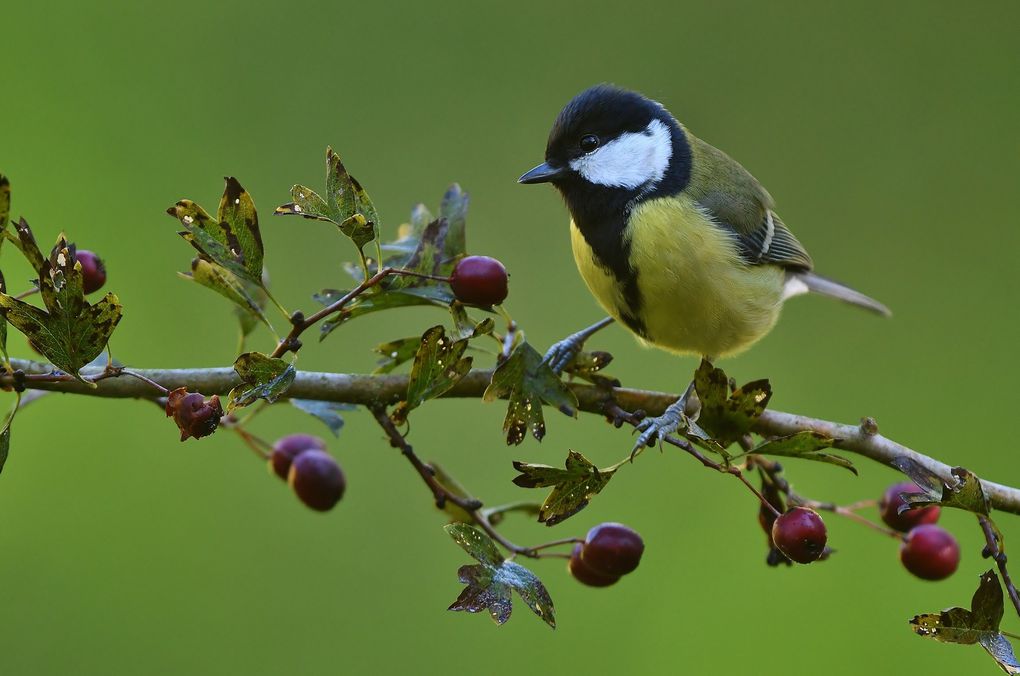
614, 139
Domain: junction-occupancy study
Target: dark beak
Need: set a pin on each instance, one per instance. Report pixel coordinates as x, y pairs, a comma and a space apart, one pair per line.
543, 173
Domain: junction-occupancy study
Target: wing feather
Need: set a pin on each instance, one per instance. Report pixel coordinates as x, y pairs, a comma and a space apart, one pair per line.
735, 201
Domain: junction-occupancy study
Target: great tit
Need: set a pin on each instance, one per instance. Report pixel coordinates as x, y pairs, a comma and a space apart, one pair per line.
674, 238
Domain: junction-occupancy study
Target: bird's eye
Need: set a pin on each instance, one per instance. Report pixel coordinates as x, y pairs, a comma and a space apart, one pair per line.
589, 143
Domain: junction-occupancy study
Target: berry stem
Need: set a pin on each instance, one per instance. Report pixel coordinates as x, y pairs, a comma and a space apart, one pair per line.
845, 512
558, 543
257, 445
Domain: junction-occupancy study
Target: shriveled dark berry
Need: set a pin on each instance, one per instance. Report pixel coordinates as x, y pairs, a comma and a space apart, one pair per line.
93, 272
317, 479
800, 534
930, 552
195, 416
612, 549
479, 280
889, 507
289, 447
584, 574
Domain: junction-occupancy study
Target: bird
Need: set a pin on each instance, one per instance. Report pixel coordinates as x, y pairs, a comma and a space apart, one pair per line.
675, 239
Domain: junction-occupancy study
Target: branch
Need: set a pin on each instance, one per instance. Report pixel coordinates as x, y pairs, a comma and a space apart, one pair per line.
383, 390
993, 549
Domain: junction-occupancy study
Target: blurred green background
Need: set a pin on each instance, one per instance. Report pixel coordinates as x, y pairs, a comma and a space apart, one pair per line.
886, 131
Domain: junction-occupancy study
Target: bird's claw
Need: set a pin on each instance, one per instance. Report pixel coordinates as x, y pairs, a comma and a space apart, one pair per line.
654, 430
559, 356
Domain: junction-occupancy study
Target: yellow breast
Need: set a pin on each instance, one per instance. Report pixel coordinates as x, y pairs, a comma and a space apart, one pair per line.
697, 295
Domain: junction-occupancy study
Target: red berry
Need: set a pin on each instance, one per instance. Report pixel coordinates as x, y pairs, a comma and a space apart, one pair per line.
317, 479
930, 552
800, 534
890, 504
93, 272
289, 447
584, 574
479, 280
612, 549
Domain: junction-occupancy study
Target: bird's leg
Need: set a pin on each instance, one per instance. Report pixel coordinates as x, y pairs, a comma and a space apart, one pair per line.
562, 353
672, 419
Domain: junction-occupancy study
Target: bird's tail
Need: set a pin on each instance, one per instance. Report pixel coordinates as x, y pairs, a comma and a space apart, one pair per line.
803, 282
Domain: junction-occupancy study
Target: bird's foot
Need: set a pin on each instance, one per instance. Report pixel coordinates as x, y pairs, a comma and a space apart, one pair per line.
559, 356
656, 429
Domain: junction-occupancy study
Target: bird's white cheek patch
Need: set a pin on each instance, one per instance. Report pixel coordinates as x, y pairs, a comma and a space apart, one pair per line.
632, 160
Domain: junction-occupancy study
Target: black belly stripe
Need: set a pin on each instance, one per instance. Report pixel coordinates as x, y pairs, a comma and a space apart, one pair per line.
601, 214
632, 295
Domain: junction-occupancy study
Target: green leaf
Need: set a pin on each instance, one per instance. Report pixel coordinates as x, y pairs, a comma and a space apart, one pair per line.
446, 480
806, 445
489, 583
71, 332
573, 487
586, 365
396, 352
978, 625
29, 248
326, 411
408, 236
247, 320
527, 382
476, 543
728, 417
438, 365
262, 377
240, 224
453, 209
369, 303
346, 203
240, 292
465, 327
307, 204
5, 442
5, 434
232, 240
964, 493
3, 323
5, 202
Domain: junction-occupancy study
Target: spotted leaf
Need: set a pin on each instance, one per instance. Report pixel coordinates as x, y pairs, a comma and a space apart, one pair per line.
979, 624
70, 332
262, 377
438, 365
490, 582
573, 486
527, 382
